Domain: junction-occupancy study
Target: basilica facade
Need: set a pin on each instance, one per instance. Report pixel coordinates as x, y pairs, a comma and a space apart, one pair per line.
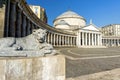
87, 35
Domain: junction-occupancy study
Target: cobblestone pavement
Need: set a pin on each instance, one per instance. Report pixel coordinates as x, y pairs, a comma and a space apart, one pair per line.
80, 61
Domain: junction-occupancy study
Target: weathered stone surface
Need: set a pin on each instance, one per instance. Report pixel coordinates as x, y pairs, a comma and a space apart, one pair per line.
37, 69
55, 72
29, 69
2, 69
34, 68
15, 69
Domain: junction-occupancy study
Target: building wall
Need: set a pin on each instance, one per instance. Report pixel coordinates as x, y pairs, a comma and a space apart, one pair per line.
40, 12
111, 30
111, 35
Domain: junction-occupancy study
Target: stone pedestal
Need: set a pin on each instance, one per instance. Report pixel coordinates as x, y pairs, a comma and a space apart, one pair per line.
34, 68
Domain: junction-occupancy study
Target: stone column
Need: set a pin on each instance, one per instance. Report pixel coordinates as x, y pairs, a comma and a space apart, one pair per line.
73, 41
57, 39
68, 41
105, 42
23, 26
92, 39
86, 39
12, 19
65, 40
18, 26
51, 39
78, 42
110, 42
95, 39
31, 27
28, 27
7, 13
117, 42
54, 39
48, 38
82, 38
79, 39
100, 39
89, 39
60, 40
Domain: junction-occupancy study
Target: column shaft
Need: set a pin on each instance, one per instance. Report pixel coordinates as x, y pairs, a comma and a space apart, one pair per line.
12, 19
79, 39
48, 37
19, 22
57, 40
68, 41
51, 39
95, 39
92, 39
82, 38
28, 27
60, 40
7, 14
54, 40
23, 26
71, 42
89, 39
86, 39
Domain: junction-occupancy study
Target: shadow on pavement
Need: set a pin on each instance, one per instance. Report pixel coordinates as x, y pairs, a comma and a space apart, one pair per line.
84, 67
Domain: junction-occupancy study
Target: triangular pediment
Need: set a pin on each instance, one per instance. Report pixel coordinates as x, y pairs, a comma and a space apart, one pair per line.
90, 27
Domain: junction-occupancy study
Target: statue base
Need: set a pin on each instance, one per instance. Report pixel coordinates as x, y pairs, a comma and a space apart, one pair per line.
32, 68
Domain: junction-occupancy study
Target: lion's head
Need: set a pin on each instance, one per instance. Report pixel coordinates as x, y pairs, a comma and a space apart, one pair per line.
39, 34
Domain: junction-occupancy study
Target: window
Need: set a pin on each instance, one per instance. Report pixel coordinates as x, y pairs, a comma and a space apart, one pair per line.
36, 10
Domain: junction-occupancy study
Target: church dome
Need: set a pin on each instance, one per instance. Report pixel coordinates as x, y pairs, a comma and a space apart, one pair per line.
70, 18
62, 25
69, 14
62, 22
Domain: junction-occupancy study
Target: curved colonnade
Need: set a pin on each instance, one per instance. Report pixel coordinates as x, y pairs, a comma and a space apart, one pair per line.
20, 21
111, 41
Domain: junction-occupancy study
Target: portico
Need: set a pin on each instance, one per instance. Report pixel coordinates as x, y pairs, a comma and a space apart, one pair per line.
89, 36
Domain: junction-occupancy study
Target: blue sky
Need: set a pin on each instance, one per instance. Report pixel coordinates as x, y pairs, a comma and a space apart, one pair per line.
102, 12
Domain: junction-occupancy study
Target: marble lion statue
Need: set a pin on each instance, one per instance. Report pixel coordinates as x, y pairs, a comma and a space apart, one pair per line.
32, 42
